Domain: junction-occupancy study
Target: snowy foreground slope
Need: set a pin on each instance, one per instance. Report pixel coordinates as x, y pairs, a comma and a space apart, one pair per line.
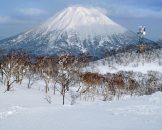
26, 109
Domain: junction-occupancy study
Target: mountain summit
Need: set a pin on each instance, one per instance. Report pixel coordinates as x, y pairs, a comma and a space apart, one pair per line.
83, 21
74, 30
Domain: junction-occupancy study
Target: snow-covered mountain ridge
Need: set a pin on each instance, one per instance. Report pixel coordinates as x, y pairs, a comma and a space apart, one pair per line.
74, 30
84, 21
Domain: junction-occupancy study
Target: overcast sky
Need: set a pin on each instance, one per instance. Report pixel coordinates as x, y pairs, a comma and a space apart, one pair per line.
17, 16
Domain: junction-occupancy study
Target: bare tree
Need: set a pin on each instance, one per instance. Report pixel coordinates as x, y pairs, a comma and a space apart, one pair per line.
8, 67
92, 82
67, 73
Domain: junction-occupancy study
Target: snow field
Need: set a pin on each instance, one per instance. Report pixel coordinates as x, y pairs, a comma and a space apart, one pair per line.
28, 110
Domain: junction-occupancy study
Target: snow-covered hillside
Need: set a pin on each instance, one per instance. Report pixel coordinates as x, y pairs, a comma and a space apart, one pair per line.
28, 110
128, 61
74, 30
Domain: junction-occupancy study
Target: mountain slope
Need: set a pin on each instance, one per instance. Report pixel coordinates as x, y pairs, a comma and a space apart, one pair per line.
74, 30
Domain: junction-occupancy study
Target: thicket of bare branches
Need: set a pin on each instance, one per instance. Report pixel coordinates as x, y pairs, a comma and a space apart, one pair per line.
65, 73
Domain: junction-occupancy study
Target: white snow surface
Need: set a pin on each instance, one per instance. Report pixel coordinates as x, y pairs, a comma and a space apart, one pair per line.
102, 67
26, 109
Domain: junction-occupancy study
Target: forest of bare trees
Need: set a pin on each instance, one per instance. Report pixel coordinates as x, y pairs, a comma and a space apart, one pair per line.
66, 73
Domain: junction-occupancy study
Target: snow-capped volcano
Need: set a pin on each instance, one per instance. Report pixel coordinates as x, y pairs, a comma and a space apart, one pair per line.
74, 30
83, 21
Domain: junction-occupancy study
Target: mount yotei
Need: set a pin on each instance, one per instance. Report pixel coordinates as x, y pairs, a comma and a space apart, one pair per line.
74, 30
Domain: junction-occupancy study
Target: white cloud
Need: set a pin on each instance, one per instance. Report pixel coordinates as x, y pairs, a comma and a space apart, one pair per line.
9, 20
32, 12
4, 19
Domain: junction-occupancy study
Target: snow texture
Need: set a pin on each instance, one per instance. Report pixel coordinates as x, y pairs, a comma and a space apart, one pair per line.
26, 109
85, 21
